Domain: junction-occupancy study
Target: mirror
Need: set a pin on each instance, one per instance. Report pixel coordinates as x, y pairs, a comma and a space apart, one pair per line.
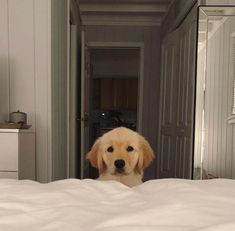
214, 147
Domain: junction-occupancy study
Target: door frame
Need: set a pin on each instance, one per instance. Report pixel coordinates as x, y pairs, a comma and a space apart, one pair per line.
140, 46
74, 19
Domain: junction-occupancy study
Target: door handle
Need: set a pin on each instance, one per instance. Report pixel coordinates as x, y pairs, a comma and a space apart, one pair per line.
85, 118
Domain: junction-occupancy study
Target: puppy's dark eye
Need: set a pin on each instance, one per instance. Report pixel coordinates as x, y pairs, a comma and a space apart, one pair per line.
130, 149
110, 149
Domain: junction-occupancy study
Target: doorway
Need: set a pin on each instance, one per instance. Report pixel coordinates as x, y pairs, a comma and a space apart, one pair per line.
115, 86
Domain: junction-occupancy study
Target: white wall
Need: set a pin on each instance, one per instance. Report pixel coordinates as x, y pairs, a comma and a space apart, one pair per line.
29, 63
4, 62
111, 63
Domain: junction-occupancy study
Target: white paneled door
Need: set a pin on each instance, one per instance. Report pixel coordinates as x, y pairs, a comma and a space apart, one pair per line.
177, 101
168, 108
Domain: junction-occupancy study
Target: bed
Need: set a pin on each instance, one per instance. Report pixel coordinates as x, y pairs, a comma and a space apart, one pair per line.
90, 205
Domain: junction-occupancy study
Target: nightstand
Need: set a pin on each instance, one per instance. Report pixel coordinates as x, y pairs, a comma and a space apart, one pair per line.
17, 154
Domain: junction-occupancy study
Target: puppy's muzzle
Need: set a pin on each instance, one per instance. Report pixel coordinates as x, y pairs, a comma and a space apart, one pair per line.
119, 164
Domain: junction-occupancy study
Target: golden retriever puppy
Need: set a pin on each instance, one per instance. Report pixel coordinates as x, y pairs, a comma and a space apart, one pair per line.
121, 155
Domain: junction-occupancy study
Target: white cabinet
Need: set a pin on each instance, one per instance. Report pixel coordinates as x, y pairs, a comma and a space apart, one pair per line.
17, 154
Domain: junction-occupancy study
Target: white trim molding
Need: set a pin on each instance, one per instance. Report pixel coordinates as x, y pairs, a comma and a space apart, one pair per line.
233, 73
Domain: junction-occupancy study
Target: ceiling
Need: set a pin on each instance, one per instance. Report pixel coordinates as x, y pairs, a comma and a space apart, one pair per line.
123, 12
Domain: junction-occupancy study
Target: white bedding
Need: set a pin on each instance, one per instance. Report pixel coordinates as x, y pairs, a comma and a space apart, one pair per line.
89, 205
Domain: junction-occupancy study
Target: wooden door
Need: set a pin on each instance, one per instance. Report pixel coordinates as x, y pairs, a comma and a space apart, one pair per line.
106, 93
131, 89
119, 93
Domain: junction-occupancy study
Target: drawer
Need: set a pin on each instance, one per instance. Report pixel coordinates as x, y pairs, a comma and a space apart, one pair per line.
8, 152
9, 175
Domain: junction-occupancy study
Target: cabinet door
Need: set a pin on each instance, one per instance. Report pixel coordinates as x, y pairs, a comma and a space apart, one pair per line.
119, 93
106, 95
131, 88
9, 151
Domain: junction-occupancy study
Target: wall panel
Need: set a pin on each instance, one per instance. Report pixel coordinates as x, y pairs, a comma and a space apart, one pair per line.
21, 61
4, 62
59, 27
42, 88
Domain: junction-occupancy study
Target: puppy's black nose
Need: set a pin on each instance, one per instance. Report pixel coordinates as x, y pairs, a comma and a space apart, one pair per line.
119, 164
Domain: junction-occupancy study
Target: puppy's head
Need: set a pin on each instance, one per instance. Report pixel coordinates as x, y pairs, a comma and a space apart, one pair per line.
120, 152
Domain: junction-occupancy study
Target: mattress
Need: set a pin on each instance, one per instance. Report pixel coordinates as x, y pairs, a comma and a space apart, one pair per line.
72, 204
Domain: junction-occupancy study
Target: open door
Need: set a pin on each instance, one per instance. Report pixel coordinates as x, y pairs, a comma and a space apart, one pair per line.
85, 106
177, 101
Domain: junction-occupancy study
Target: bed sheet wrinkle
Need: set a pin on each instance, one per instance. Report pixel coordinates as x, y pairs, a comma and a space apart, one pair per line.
228, 226
148, 227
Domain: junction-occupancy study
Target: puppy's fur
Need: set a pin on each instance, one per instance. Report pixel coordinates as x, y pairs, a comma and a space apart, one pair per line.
121, 155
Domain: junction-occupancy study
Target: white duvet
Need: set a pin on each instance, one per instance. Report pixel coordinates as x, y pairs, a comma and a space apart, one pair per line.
89, 205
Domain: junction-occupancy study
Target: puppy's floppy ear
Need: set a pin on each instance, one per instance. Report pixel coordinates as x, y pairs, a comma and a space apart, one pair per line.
146, 155
95, 159
92, 156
